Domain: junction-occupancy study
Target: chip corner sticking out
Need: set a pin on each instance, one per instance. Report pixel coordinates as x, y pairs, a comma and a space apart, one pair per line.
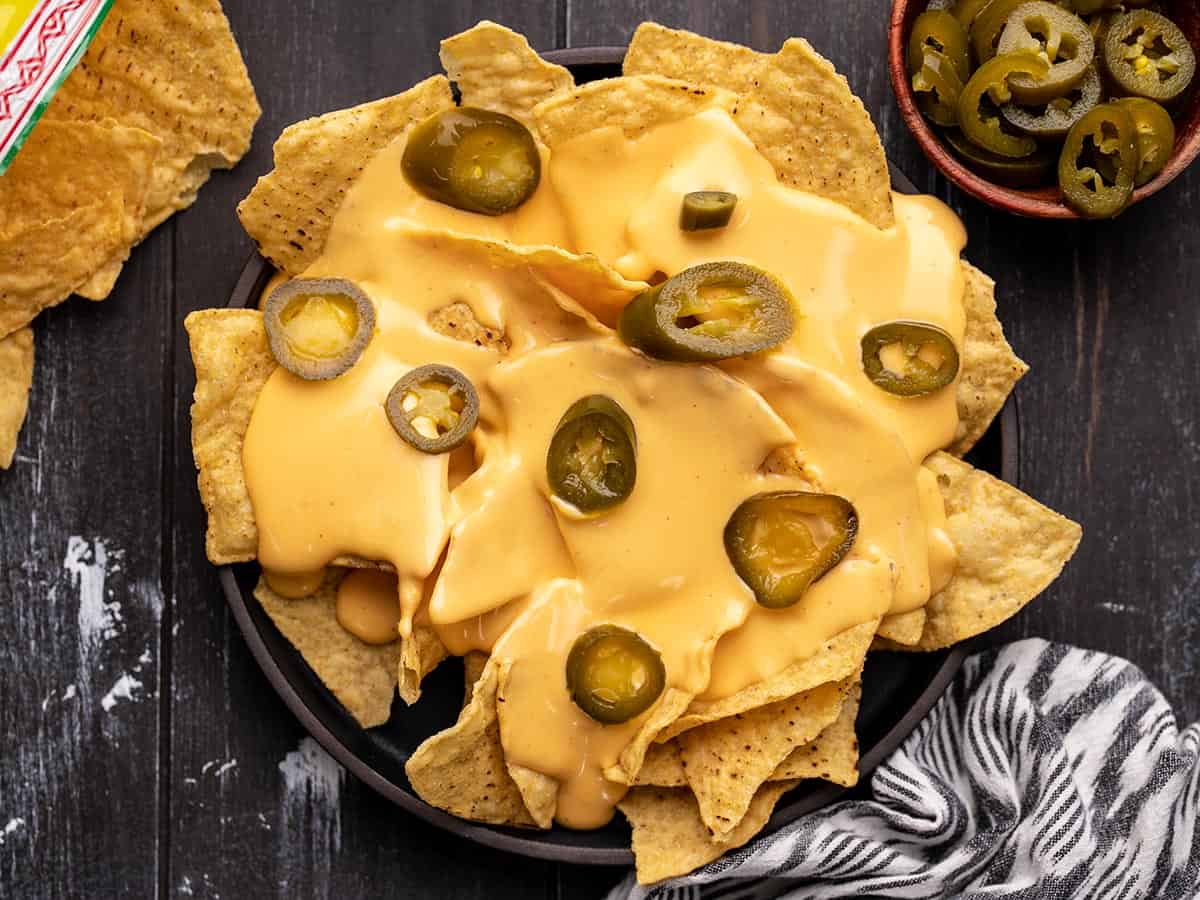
633, 103
833, 755
794, 106
16, 378
1010, 547
233, 361
361, 676
726, 761
902, 628
495, 68
669, 837
420, 654
462, 769
990, 368
291, 209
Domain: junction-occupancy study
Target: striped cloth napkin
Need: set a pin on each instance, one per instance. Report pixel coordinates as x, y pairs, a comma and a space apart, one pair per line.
1046, 772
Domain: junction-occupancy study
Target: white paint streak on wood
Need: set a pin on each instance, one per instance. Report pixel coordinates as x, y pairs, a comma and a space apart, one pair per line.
125, 688
310, 809
87, 561
14, 825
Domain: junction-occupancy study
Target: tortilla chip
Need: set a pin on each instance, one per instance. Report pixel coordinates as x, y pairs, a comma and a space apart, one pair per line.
103, 280
838, 658
173, 70
1010, 548
833, 755
495, 68
635, 105
539, 793
473, 664
291, 209
663, 766
670, 839
581, 285
462, 769
419, 655
990, 368
361, 676
728, 760
457, 320
16, 377
64, 164
669, 707
43, 264
799, 112
903, 628
233, 362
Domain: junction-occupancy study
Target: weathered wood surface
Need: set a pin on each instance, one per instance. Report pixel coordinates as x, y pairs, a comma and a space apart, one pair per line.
142, 751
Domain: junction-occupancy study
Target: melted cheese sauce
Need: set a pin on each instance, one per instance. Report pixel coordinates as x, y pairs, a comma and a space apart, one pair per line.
523, 575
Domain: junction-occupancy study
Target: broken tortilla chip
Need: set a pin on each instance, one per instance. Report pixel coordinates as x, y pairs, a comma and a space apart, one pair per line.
16, 377
495, 68
64, 164
361, 676
1010, 548
419, 655
795, 107
291, 209
726, 761
40, 266
669, 837
473, 664
633, 104
233, 361
833, 755
990, 368
173, 70
838, 658
903, 628
462, 769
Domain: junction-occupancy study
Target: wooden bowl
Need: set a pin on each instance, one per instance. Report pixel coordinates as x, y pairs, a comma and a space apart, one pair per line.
1044, 202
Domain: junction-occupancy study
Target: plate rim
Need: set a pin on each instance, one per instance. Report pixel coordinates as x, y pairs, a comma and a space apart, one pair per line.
253, 278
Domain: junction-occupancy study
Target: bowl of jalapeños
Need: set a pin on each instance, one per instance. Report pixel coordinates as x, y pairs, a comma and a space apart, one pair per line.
569, 528
1051, 110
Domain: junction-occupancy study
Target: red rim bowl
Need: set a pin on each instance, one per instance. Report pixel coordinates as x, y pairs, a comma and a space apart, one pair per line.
1045, 202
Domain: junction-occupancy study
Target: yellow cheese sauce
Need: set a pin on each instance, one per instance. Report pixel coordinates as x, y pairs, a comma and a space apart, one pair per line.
524, 573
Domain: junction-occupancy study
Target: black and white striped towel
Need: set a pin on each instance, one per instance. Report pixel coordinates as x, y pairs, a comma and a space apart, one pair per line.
1046, 772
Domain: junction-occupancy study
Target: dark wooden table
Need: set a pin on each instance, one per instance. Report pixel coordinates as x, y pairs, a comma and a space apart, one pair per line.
143, 753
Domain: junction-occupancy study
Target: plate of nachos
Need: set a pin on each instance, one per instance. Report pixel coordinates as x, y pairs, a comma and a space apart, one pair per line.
647, 399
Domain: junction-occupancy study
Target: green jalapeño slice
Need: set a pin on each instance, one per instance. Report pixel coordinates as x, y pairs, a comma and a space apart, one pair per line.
780, 543
1148, 56
318, 327
434, 408
702, 210
1155, 136
1099, 162
613, 674
712, 311
1061, 38
978, 113
909, 358
592, 460
473, 159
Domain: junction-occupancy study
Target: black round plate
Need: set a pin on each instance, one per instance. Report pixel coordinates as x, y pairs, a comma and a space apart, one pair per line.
898, 688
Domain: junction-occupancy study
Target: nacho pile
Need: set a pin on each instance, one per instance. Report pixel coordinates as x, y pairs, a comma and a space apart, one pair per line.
460, 425
160, 99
